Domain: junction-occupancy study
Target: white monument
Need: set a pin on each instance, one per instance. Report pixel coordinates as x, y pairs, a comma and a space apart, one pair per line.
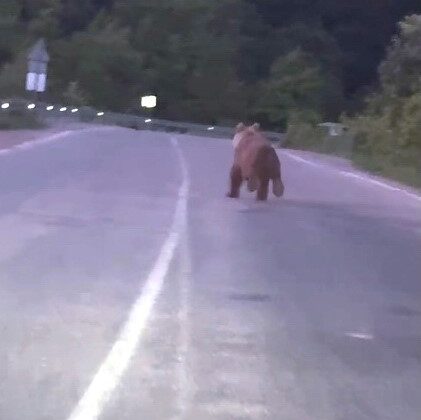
38, 58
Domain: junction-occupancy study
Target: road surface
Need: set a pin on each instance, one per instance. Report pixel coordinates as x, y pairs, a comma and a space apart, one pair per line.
131, 288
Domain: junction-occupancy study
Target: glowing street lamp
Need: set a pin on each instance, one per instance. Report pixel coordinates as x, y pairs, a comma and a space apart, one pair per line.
148, 101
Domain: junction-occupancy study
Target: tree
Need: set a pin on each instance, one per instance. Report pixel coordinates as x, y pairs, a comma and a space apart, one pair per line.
388, 133
400, 72
74, 95
101, 60
43, 18
188, 49
10, 30
293, 90
75, 15
12, 76
176, 48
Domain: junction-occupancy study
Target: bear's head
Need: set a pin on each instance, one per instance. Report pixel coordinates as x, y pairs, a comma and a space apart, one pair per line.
242, 130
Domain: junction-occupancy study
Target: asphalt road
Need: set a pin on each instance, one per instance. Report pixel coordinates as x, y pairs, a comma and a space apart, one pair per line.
132, 288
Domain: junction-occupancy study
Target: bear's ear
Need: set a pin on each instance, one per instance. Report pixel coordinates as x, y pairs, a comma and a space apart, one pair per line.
240, 127
256, 126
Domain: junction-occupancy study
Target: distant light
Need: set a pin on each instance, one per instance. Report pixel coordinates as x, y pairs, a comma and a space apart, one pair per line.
50, 108
211, 128
63, 109
148, 101
100, 114
148, 120
5, 105
31, 106
74, 110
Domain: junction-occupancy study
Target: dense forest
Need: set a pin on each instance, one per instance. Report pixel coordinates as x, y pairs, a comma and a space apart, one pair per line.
205, 60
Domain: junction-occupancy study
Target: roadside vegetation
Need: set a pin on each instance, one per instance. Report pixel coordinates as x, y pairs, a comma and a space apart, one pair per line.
385, 136
288, 64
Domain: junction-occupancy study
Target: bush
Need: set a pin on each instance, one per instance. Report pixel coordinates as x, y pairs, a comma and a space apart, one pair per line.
386, 147
15, 120
87, 114
305, 136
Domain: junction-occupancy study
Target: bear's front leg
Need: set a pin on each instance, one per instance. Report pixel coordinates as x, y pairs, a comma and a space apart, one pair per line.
252, 183
236, 181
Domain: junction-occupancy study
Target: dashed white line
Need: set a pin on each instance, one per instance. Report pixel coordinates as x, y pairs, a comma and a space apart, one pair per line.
300, 159
112, 369
184, 383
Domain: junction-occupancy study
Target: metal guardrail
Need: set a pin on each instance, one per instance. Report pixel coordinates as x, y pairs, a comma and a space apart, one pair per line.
52, 112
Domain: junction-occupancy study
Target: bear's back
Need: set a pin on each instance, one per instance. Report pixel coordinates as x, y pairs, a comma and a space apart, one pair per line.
247, 145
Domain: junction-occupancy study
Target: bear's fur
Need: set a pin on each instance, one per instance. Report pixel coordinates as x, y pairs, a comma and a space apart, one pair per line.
255, 161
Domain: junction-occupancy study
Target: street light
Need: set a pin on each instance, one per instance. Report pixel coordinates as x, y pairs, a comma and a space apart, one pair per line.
63, 109
50, 108
5, 105
148, 101
74, 110
100, 114
31, 106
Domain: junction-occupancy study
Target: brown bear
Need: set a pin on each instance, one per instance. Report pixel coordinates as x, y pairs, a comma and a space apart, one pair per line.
255, 161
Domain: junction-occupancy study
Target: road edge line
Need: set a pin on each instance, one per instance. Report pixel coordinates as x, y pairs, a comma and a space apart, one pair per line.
31, 144
363, 177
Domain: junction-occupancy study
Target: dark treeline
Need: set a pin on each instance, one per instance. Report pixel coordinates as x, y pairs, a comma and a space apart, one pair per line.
210, 61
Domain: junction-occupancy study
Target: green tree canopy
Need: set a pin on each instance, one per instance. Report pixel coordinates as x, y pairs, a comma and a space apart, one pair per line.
296, 89
103, 63
388, 132
207, 60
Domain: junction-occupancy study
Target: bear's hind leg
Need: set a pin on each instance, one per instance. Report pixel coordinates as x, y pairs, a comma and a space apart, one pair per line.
236, 181
262, 191
278, 187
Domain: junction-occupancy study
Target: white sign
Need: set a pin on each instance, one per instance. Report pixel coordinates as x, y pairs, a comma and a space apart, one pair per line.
36, 82
148, 101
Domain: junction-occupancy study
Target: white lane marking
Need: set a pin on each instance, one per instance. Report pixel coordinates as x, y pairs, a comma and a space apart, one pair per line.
373, 181
359, 177
360, 336
226, 408
115, 364
300, 159
30, 144
184, 383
